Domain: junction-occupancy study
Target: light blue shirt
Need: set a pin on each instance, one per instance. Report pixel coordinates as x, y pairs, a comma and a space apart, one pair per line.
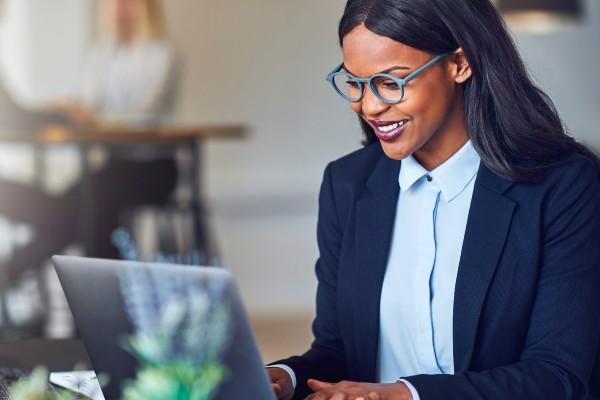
417, 297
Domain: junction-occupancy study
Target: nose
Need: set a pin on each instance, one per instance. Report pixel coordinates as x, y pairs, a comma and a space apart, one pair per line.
371, 105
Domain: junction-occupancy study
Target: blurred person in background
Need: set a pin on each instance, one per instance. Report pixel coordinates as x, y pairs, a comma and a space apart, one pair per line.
129, 76
129, 79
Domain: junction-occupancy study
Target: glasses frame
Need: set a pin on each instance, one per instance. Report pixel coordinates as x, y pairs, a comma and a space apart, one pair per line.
401, 82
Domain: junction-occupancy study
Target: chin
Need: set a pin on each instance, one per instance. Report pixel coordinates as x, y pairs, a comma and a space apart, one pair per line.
393, 151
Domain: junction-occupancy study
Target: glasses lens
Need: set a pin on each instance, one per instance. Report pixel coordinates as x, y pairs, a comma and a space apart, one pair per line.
390, 90
347, 86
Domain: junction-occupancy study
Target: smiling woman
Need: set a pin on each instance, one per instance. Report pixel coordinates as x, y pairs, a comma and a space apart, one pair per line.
459, 248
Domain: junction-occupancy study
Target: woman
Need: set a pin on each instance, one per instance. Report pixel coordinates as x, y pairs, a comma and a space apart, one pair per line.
459, 254
129, 79
130, 74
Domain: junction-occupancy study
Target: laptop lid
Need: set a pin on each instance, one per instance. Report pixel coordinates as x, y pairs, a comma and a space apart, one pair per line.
93, 288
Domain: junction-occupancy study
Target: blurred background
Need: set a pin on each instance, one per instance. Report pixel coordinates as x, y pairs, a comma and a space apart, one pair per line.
250, 72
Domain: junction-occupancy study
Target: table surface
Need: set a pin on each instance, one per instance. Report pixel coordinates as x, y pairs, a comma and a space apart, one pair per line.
55, 354
59, 134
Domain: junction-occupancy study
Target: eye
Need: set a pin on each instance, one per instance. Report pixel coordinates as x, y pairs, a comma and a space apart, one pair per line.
390, 85
352, 84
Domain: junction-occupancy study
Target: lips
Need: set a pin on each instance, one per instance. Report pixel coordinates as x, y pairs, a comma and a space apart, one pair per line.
388, 130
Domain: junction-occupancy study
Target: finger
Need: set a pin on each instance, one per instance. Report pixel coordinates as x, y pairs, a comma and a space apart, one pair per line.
276, 388
317, 385
374, 396
338, 396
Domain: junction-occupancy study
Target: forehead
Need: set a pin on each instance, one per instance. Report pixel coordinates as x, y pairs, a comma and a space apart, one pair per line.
366, 53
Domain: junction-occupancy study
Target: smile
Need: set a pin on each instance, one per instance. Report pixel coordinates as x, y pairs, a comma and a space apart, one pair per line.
388, 130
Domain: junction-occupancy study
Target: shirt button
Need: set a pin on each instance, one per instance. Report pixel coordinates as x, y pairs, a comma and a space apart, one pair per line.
429, 178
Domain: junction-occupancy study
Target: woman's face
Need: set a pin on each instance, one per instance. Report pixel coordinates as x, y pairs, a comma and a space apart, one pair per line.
125, 15
431, 104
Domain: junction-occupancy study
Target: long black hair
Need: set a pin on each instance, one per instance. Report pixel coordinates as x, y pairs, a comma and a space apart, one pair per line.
513, 125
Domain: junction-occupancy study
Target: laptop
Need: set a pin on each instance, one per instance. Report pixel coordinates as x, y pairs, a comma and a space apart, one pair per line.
93, 288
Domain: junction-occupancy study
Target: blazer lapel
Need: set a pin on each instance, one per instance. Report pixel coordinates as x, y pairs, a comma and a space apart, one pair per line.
488, 223
375, 214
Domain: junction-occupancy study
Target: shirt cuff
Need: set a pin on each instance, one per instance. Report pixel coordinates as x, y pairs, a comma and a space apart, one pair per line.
287, 369
413, 391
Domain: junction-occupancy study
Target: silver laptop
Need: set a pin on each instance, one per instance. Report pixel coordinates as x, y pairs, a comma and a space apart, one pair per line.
95, 292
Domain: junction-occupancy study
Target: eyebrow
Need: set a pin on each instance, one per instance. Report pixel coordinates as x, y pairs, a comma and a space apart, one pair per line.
385, 71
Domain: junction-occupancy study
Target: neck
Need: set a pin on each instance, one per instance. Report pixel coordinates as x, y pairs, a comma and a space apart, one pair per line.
125, 37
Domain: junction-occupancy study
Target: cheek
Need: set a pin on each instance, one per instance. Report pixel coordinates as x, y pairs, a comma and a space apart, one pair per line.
429, 106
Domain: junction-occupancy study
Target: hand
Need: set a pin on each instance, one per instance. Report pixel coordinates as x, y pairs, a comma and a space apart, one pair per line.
77, 113
281, 382
346, 390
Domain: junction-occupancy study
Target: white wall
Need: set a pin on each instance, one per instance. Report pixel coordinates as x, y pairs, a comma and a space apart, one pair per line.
566, 65
41, 46
263, 63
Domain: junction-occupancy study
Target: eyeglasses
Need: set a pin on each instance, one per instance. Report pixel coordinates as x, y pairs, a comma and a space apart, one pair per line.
387, 88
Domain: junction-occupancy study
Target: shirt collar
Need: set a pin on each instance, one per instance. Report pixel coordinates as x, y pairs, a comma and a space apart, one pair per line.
452, 176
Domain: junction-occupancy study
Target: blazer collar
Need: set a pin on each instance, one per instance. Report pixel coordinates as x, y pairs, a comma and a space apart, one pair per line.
384, 178
488, 223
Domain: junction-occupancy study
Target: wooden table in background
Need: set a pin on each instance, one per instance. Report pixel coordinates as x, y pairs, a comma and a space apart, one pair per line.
191, 137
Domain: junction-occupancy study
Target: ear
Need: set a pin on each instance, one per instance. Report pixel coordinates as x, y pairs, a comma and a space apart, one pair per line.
461, 67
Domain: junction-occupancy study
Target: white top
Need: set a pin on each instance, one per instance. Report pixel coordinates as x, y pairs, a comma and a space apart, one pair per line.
133, 84
417, 297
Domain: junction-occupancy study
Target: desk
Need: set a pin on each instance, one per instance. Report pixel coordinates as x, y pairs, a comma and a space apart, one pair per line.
55, 354
189, 136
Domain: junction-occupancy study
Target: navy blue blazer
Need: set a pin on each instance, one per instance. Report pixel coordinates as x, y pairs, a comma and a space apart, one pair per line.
526, 319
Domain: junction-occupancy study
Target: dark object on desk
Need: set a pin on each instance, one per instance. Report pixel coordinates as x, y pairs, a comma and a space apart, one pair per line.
55, 354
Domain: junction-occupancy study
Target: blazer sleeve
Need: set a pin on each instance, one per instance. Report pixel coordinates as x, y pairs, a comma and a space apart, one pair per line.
325, 360
563, 333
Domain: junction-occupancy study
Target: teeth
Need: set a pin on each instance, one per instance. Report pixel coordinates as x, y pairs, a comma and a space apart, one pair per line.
389, 128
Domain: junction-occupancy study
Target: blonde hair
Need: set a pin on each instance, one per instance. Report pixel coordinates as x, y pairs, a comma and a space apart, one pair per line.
150, 24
